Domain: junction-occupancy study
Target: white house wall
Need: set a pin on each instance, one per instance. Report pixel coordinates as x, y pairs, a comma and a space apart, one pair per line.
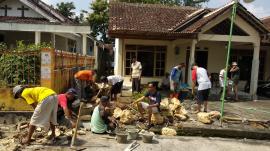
15, 4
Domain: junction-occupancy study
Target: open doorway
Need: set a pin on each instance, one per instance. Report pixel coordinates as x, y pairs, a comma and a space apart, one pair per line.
2, 38
201, 58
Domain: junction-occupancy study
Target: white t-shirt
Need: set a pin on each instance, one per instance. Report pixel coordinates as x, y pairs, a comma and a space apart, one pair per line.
203, 79
221, 77
113, 79
136, 69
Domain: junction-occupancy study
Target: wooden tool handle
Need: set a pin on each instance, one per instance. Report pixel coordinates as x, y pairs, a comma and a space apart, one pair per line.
74, 137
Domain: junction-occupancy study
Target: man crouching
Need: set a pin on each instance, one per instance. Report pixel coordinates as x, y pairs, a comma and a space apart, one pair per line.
101, 120
44, 101
154, 99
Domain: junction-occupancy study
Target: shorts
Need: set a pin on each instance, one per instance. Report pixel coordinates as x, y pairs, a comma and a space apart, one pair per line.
203, 95
235, 80
145, 105
45, 113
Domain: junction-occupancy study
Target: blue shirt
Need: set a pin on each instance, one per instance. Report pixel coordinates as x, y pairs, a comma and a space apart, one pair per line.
153, 97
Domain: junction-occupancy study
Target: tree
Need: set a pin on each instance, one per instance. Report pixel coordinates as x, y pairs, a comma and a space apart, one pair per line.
66, 9
99, 19
81, 17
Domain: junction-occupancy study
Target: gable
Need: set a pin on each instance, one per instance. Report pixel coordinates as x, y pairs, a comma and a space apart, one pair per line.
14, 7
223, 28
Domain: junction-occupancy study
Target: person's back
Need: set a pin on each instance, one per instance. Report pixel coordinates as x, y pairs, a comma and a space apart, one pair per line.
97, 123
113, 79
84, 75
36, 94
203, 79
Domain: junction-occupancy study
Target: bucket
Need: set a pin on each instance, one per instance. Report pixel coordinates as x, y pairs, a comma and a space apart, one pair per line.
121, 138
147, 137
133, 134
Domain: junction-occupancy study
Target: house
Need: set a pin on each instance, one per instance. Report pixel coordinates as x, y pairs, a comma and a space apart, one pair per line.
33, 21
163, 36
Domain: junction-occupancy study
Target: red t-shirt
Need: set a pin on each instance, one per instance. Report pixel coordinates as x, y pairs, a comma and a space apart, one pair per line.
194, 75
62, 100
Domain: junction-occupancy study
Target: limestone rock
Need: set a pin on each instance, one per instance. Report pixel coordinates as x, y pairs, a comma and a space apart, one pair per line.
164, 104
204, 118
215, 114
168, 131
117, 112
181, 117
181, 111
126, 117
157, 119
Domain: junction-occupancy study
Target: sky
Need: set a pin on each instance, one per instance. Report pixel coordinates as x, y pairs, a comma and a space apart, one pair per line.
259, 7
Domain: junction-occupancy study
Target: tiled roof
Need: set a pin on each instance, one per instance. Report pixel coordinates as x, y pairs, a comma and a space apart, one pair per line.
146, 17
26, 20
266, 22
50, 11
150, 20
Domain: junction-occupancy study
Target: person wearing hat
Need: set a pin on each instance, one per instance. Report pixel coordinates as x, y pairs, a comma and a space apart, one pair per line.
235, 76
44, 101
102, 120
64, 115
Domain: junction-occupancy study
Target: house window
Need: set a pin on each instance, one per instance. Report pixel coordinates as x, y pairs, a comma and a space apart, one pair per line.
152, 59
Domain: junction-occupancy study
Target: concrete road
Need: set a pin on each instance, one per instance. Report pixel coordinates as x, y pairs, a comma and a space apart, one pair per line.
92, 142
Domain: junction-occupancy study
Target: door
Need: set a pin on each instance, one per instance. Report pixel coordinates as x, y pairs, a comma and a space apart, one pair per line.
1, 38
201, 58
147, 61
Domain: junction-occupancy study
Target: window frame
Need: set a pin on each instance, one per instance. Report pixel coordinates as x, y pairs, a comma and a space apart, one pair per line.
156, 49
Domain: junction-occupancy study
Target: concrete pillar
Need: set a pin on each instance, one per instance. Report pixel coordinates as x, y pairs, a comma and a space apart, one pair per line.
118, 62
96, 54
53, 40
37, 37
84, 44
255, 70
191, 59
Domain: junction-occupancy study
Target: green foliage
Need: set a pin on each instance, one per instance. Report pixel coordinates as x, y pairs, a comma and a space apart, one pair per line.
66, 9
99, 19
136, 96
21, 65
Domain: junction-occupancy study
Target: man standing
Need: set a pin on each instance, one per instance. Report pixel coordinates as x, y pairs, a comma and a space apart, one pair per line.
235, 75
44, 101
200, 76
221, 82
64, 114
116, 83
176, 78
80, 78
154, 99
136, 75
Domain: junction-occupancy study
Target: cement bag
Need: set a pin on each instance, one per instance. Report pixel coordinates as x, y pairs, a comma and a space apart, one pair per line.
215, 114
181, 117
168, 131
157, 119
117, 112
204, 118
126, 117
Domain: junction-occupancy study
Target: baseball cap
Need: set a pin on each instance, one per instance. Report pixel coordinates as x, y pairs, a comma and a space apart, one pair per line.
73, 91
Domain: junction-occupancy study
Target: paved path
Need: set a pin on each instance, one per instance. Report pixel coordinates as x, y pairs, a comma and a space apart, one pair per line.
93, 142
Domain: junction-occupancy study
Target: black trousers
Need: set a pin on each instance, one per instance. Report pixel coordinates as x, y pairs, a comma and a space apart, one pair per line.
136, 85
